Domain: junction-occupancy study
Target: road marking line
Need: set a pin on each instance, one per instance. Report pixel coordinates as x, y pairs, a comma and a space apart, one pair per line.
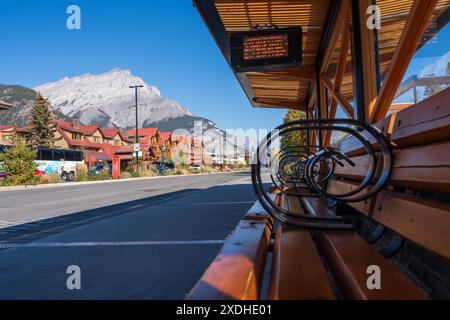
136, 206
234, 182
219, 203
74, 189
112, 243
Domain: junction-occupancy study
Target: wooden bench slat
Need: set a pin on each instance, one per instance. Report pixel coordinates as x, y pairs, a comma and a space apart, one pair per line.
427, 121
425, 222
349, 256
338, 186
294, 204
236, 273
358, 172
424, 167
297, 271
352, 147
315, 207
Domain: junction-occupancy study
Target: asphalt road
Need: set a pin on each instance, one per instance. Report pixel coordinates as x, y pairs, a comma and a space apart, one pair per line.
141, 239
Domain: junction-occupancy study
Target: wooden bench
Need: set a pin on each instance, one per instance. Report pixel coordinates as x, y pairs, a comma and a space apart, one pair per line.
307, 264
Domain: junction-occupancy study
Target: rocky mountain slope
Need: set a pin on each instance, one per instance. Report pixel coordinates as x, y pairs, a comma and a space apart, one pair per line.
22, 100
106, 99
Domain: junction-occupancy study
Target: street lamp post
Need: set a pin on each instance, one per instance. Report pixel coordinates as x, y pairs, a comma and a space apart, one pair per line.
137, 130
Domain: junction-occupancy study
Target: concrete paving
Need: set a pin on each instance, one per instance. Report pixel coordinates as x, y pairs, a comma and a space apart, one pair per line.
143, 240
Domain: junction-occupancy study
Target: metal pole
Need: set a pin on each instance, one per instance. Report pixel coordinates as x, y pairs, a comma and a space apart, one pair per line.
137, 122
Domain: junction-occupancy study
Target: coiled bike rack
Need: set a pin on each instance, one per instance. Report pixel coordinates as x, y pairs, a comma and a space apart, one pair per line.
305, 170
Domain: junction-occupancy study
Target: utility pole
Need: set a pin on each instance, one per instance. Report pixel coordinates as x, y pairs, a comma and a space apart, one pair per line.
137, 124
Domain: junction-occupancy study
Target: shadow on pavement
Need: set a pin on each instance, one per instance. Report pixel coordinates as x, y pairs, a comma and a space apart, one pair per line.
42, 228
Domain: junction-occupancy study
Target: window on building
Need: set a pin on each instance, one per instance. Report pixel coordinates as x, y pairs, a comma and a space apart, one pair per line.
76, 136
116, 142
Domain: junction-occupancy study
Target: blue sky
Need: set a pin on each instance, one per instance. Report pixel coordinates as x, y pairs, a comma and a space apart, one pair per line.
163, 42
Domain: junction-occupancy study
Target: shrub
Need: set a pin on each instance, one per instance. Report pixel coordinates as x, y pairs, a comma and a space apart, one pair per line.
104, 175
81, 173
206, 169
149, 173
49, 178
168, 173
135, 174
125, 175
180, 171
18, 163
154, 169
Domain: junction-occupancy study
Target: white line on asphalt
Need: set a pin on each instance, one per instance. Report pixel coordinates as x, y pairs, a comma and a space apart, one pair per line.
75, 189
136, 206
112, 243
220, 203
234, 182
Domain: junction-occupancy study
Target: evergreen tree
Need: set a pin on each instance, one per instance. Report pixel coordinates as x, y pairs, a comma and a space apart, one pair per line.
43, 127
18, 163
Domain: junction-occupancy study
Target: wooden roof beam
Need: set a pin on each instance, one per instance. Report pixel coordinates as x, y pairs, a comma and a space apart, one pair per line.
280, 103
347, 107
413, 31
345, 46
334, 36
304, 72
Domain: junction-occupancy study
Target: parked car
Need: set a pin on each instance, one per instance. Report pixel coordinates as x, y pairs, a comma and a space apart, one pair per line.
98, 168
3, 175
196, 166
164, 165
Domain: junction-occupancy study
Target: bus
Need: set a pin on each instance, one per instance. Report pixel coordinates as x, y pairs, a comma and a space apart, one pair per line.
49, 161
60, 161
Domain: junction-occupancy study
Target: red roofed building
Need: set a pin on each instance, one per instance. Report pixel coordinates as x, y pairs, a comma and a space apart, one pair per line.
97, 144
149, 141
6, 134
188, 149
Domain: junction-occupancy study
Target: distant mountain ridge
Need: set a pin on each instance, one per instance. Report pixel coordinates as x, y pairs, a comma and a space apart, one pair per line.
22, 99
106, 99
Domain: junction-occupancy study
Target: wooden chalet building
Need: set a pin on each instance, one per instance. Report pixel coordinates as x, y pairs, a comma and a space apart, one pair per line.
97, 144
6, 134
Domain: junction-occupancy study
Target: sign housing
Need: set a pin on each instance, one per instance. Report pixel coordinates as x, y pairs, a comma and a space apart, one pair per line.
263, 50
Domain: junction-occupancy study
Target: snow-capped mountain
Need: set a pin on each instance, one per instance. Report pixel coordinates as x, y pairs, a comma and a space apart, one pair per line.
106, 99
438, 68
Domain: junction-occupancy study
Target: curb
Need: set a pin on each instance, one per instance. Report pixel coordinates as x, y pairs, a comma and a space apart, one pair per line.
68, 184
